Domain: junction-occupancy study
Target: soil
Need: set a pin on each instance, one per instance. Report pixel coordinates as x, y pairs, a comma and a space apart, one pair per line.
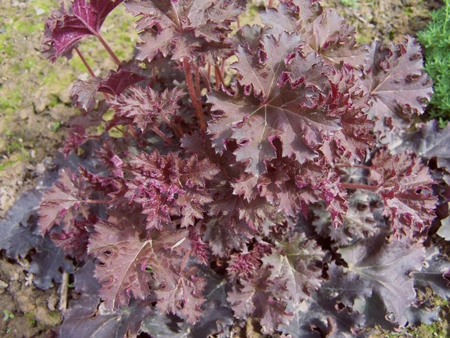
35, 106
385, 20
27, 311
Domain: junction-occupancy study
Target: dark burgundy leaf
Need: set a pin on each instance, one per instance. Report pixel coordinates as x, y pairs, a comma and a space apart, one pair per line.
122, 258
76, 138
185, 298
285, 95
405, 186
324, 30
398, 85
168, 186
429, 141
297, 263
83, 92
146, 108
65, 28
165, 326
18, 235
330, 311
358, 222
83, 319
386, 270
435, 274
263, 299
63, 202
48, 264
182, 28
90, 118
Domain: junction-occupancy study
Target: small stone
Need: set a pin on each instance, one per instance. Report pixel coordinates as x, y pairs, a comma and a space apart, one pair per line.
52, 302
26, 112
64, 95
3, 285
40, 103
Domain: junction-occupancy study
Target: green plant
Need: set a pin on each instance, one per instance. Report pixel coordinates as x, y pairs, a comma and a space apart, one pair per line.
436, 42
31, 319
350, 3
7, 315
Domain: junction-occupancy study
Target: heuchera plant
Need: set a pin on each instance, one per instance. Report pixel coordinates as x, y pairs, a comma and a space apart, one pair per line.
259, 188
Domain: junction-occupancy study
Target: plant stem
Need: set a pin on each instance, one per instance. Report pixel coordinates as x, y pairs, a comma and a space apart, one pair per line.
162, 135
197, 84
185, 259
64, 291
353, 166
195, 102
133, 132
89, 69
108, 49
222, 69
97, 201
175, 127
218, 76
206, 79
359, 186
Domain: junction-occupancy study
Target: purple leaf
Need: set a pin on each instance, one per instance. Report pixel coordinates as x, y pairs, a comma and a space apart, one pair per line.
121, 255
168, 186
405, 186
285, 95
83, 92
64, 201
297, 263
65, 28
146, 108
185, 298
386, 270
261, 298
183, 28
428, 141
398, 85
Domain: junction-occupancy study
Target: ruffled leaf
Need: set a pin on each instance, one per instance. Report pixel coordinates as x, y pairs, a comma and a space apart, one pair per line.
405, 186
398, 85
65, 28
182, 28
386, 270
63, 202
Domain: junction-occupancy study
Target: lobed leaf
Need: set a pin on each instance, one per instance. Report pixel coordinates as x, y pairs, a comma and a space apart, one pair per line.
63, 202
65, 28
385, 268
182, 28
398, 86
122, 256
405, 186
146, 108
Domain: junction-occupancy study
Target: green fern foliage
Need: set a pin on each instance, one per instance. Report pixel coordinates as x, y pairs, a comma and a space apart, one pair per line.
436, 42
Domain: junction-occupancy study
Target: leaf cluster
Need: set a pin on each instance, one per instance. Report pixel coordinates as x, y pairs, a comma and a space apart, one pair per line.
272, 196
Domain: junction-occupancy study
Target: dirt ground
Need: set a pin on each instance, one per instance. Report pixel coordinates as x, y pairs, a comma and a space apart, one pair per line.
35, 106
386, 20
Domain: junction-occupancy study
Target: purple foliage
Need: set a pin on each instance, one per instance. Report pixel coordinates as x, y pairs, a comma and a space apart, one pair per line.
286, 194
